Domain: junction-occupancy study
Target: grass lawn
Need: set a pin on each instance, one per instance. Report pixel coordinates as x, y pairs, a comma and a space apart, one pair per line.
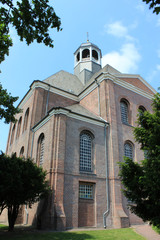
114, 234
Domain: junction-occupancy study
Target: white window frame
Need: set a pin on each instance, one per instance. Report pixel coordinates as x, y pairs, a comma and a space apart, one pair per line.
86, 190
85, 152
128, 150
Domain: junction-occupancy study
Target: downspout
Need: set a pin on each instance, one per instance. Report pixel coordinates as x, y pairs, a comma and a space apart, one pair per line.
107, 182
47, 100
106, 159
26, 214
99, 108
32, 141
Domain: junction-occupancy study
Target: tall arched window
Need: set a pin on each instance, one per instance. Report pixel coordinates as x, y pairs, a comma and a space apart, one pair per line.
19, 127
21, 152
128, 150
26, 120
95, 54
40, 150
86, 151
13, 132
124, 111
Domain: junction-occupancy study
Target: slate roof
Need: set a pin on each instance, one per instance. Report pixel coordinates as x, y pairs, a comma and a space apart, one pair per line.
79, 109
65, 81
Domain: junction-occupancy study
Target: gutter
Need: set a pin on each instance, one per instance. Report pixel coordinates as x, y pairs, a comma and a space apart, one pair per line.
105, 214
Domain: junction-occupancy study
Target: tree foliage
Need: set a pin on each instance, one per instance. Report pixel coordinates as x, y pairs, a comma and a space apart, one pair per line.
154, 4
21, 182
31, 19
141, 180
7, 109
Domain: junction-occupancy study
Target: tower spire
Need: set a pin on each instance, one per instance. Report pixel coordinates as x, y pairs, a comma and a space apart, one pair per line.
87, 37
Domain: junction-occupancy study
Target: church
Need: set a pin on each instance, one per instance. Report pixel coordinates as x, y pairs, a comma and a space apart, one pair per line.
78, 127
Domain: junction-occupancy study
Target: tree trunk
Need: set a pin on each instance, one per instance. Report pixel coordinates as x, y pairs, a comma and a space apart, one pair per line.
12, 216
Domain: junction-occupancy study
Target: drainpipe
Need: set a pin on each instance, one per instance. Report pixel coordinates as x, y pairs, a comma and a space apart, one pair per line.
32, 141
26, 214
99, 108
107, 182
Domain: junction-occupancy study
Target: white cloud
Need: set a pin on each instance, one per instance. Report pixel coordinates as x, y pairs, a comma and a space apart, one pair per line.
126, 60
153, 74
116, 29
140, 7
158, 67
158, 22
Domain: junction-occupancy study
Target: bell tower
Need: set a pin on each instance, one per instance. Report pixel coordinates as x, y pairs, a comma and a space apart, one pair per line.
87, 61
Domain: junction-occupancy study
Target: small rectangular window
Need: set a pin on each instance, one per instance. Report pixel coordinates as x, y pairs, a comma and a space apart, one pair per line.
86, 190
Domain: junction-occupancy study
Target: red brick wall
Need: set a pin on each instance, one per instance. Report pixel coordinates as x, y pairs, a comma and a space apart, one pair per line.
137, 83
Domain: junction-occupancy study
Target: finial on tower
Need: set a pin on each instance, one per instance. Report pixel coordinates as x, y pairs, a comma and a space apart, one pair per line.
87, 37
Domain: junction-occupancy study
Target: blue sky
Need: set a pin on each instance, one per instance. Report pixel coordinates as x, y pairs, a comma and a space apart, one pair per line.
126, 31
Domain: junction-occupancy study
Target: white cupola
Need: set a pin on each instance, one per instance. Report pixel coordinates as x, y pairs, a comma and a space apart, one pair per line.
87, 61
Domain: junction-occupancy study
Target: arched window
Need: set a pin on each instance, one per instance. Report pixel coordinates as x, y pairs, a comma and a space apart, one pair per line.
19, 127
128, 150
26, 120
13, 132
85, 53
86, 151
124, 111
142, 109
40, 150
21, 152
95, 54
146, 154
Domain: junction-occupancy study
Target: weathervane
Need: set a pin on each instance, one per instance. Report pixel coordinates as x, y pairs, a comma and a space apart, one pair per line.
87, 37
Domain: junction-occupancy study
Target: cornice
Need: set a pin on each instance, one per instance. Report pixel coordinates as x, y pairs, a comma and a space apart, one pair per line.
69, 114
117, 79
139, 77
132, 88
46, 86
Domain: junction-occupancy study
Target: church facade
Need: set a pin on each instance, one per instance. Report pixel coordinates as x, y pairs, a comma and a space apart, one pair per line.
77, 127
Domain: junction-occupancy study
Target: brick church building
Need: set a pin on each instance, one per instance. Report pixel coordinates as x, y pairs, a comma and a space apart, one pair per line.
77, 127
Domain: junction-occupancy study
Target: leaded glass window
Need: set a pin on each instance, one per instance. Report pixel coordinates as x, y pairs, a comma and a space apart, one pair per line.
128, 150
12, 135
26, 120
19, 127
86, 190
124, 112
85, 152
